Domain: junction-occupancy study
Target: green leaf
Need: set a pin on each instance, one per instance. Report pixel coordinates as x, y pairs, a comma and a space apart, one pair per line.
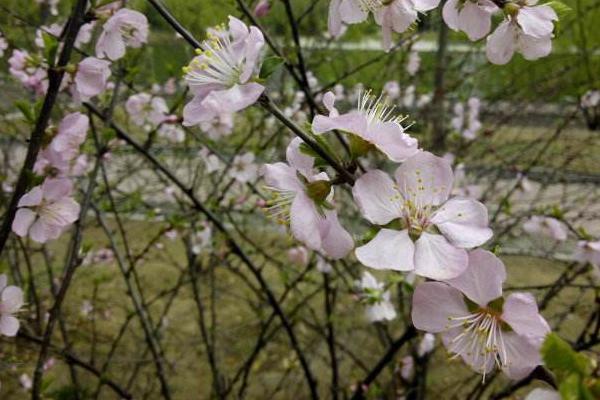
269, 66
569, 388
561, 8
26, 109
562, 359
50, 47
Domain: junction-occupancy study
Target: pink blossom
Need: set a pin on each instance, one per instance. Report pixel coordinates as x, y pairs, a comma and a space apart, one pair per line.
477, 324
373, 122
414, 63
262, 8
392, 16
299, 256
529, 33
546, 226
220, 126
472, 17
28, 71
305, 204
72, 132
85, 34
376, 298
392, 90
55, 159
243, 168
126, 28
91, 77
171, 131
46, 210
147, 110
435, 230
221, 76
11, 301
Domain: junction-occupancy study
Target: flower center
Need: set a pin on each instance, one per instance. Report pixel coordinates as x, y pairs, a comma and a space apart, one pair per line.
278, 206
481, 339
216, 63
375, 108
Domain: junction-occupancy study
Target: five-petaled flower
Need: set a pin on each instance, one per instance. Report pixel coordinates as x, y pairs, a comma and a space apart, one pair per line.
221, 76
374, 124
477, 323
126, 28
302, 198
424, 231
527, 30
46, 210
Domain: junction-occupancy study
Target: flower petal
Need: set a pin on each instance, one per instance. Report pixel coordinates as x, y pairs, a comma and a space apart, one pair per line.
521, 312
523, 355
425, 179
437, 259
464, 222
23, 220
304, 221
12, 299
336, 241
389, 249
9, 325
482, 281
377, 197
433, 304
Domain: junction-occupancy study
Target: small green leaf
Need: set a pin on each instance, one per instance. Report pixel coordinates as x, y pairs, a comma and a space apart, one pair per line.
562, 359
50, 47
26, 110
269, 66
561, 8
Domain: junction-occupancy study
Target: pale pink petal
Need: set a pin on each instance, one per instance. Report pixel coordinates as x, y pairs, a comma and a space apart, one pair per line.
522, 354
437, 259
351, 12
482, 280
501, 44
56, 188
297, 159
23, 220
425, 179
336, 241
537, 21
390, 139
304, 222
476, 21
352, 122
450, 14
12, 299
282, 176
389, 249
433, 305
377, 197
32, 198
3, 281
334, 22
520, 311
464, 222
425, 5
9, 325
534, 48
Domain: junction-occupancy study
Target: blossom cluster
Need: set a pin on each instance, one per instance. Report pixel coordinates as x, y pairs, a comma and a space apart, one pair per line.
526, 27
